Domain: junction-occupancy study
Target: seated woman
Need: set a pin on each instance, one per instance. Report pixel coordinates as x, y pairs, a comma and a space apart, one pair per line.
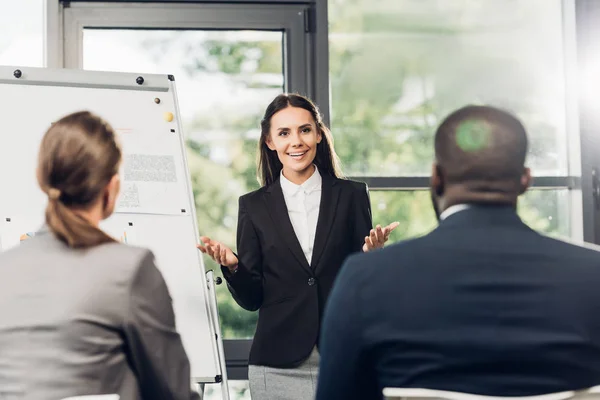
82, 314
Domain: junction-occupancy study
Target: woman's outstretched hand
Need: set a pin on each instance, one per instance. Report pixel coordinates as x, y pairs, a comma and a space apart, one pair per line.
218, 252
378, 236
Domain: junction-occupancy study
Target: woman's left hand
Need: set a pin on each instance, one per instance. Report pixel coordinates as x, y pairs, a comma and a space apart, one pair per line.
378, 237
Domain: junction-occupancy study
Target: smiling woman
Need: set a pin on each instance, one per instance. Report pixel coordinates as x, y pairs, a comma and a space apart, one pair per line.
295, 142
294, 233
294, 123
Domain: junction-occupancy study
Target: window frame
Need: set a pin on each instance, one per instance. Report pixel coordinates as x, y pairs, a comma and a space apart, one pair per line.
587, 27
290, 19
584, 222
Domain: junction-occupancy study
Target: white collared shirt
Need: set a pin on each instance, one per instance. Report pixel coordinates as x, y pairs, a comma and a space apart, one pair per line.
303, 202
453, 210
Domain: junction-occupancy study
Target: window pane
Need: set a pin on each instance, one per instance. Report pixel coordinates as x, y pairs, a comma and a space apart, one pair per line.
543, 210
547, 211
22, 43
412, 209
224, 79
397, 67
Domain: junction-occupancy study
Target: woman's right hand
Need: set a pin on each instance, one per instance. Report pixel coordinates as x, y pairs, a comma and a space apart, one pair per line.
218, 252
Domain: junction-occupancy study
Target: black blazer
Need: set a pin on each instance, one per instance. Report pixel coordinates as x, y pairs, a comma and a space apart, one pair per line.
273, 275
483, 305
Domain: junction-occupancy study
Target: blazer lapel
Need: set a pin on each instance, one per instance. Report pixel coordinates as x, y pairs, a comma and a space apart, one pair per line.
329, 199
281, 219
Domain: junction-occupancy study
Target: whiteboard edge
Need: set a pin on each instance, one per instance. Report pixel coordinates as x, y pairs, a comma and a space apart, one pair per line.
207, 302
81, 78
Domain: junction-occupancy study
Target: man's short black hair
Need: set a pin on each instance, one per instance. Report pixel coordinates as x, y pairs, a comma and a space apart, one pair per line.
482, 145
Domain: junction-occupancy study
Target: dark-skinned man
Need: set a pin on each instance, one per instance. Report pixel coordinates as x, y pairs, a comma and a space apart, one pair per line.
482, 304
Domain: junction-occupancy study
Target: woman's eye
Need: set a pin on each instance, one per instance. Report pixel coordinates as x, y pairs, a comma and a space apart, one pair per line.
306, 130
283, 133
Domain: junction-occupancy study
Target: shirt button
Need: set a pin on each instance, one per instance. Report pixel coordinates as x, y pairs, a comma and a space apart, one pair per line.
311, 281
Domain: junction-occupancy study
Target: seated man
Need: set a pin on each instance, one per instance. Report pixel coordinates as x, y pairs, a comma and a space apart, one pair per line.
482, 304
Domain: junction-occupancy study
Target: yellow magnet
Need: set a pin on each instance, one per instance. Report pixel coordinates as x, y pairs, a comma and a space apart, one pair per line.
168, 116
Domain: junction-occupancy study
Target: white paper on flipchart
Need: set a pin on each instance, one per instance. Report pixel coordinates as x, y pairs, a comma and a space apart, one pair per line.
150, 198
152, 173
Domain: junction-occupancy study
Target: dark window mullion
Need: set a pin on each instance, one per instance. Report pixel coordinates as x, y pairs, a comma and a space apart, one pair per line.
422, 182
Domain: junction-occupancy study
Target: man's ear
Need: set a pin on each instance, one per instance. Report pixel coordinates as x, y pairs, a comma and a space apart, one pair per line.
526, 180
437, 179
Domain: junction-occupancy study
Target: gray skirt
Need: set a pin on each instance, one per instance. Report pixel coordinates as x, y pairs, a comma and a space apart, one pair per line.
298, 383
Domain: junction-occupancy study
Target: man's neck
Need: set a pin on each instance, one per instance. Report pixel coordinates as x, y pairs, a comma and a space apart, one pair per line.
457, 194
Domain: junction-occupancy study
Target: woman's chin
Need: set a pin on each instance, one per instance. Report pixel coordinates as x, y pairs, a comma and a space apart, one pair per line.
302, 169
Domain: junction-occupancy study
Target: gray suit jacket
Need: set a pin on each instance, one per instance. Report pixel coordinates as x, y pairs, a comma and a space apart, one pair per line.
94, 321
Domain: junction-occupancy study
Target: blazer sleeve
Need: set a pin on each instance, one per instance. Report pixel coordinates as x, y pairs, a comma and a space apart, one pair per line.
154, 347
245, 284
363, 221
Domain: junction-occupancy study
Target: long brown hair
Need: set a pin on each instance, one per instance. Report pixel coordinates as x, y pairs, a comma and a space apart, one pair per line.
268, 164
78, 157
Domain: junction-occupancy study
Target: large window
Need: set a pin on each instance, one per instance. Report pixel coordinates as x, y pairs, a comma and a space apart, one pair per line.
543, 210
397, 67
22, 43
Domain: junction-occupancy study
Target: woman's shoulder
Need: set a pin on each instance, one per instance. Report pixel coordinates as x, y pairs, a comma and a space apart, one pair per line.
126, 253
350, 184
346, 184
255, 194
105, 264
123, 264
118, 258
127, 250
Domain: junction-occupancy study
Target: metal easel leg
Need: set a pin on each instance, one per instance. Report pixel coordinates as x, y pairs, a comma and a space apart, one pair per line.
215, 318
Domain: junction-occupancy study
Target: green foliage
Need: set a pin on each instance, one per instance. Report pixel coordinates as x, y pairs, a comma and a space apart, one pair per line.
411, 208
